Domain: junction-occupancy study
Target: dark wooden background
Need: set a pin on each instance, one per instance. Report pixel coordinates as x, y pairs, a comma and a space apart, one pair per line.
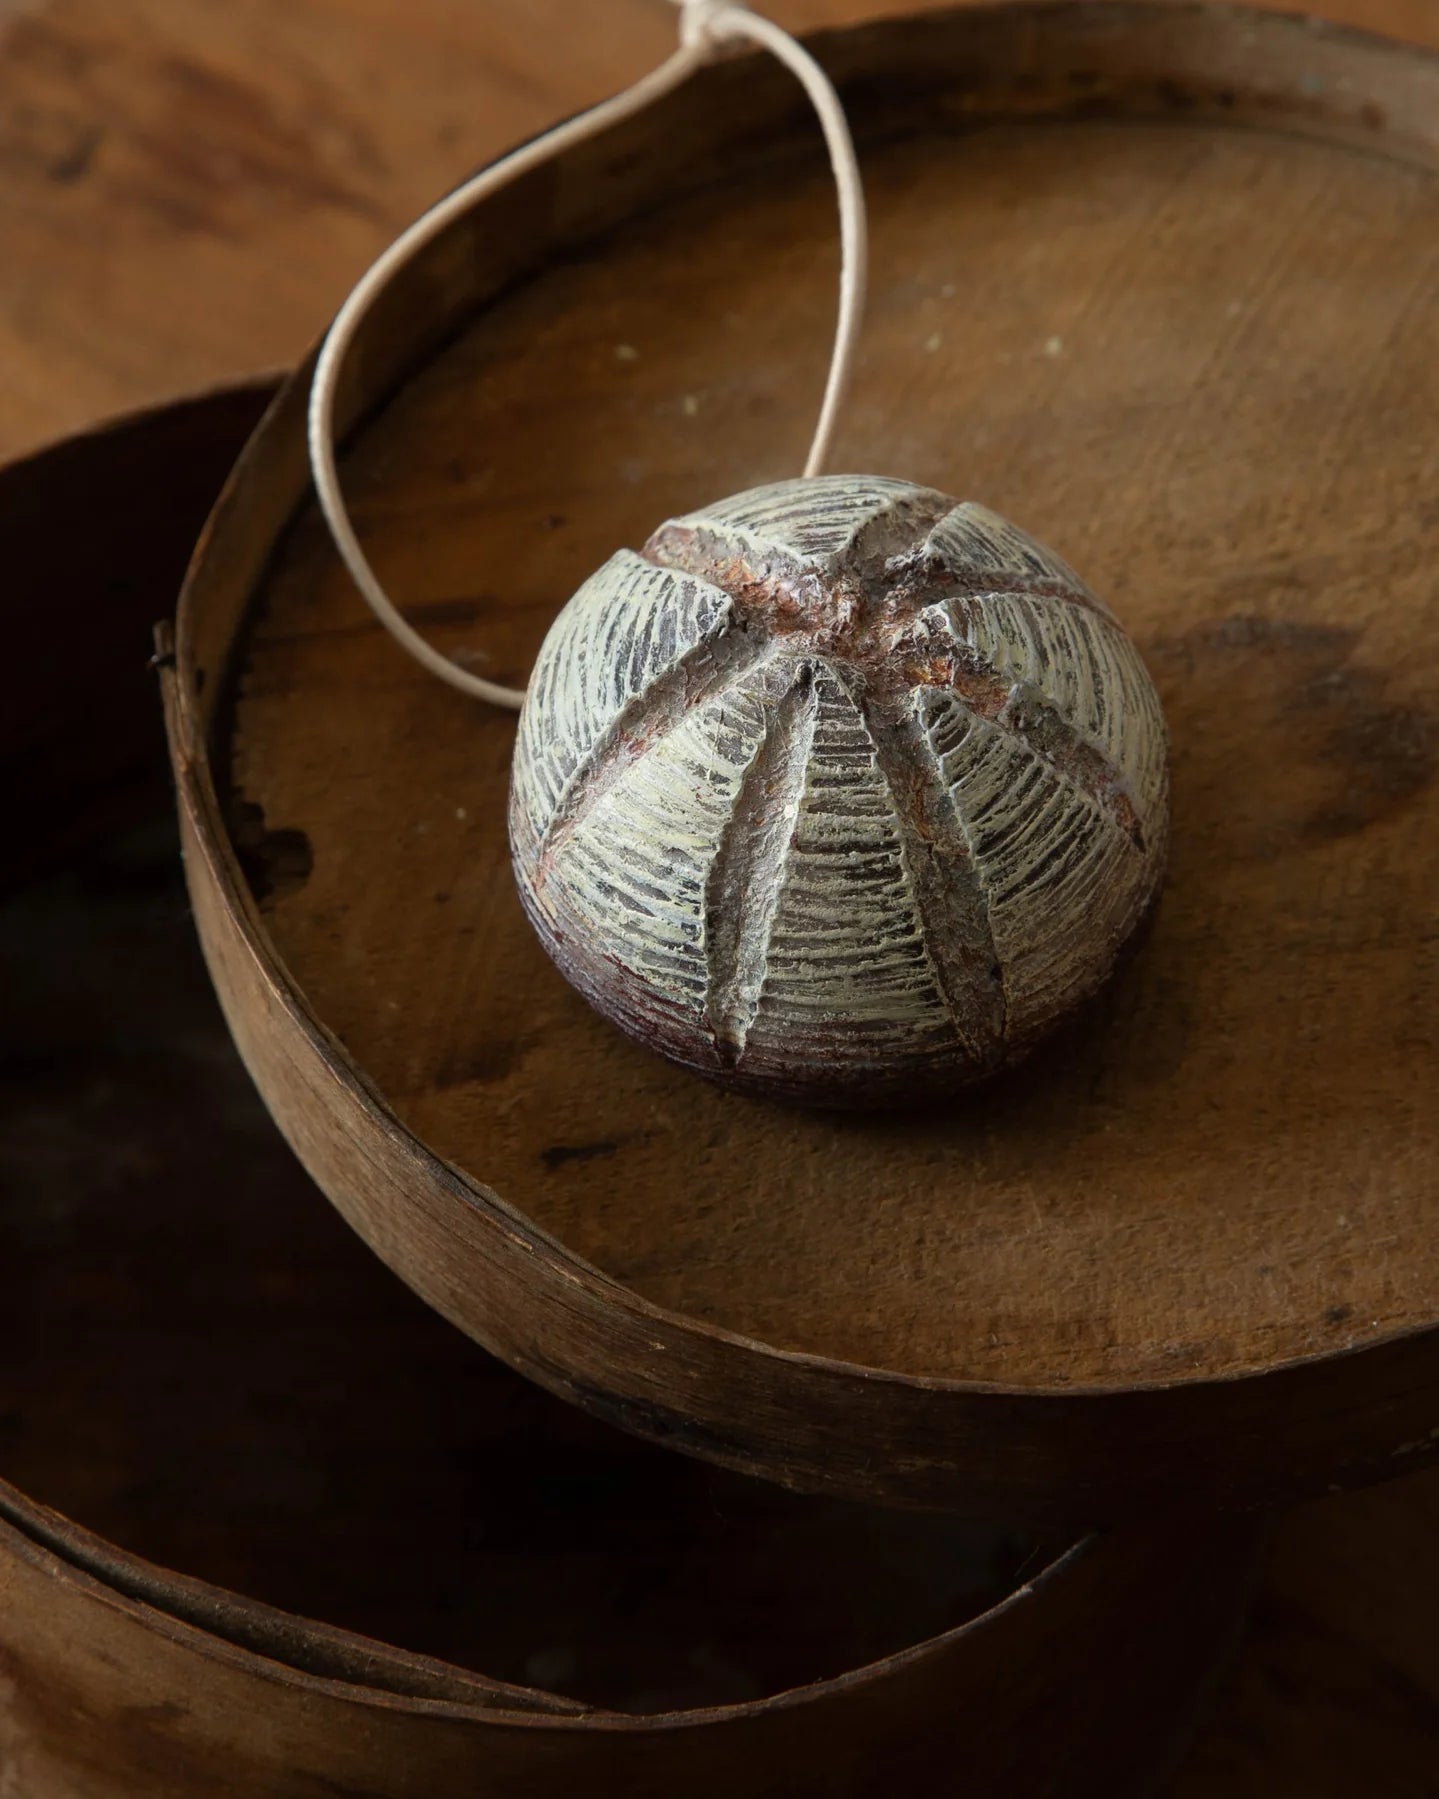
186, 188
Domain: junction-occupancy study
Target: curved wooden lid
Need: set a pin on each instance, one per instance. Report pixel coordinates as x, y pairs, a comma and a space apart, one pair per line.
1156, 284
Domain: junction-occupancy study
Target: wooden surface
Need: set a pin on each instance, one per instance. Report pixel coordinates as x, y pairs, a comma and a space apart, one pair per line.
1336, 1695
187, 189
1207, 358
199, 1361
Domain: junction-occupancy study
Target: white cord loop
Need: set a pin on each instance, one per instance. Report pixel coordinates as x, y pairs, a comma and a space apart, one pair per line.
704, 25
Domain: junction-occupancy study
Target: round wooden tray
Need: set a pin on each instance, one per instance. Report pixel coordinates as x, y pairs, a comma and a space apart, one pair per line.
1154, 282
199, 1359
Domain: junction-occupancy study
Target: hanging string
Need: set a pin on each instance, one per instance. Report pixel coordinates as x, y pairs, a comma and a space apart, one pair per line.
705, 26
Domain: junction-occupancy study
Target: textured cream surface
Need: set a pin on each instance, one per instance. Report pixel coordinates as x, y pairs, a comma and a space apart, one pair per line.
841, 786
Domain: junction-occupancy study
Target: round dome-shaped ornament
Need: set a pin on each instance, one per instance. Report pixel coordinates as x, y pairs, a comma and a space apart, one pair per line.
839, 790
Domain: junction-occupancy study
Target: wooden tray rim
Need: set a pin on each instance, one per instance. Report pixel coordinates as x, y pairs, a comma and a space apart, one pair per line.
216, 866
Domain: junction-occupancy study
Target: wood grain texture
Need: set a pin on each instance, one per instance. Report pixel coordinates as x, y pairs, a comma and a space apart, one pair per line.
1337, 1696
1336, 1693
198, 1359
1187, 1245
187, 190
841, 791
107, 1695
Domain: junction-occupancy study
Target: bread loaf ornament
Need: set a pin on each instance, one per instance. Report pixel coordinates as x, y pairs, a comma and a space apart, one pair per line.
839, 790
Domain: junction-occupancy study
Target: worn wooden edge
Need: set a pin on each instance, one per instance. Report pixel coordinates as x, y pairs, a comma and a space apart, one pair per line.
97, 1678
1056, 1453
217, 1624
